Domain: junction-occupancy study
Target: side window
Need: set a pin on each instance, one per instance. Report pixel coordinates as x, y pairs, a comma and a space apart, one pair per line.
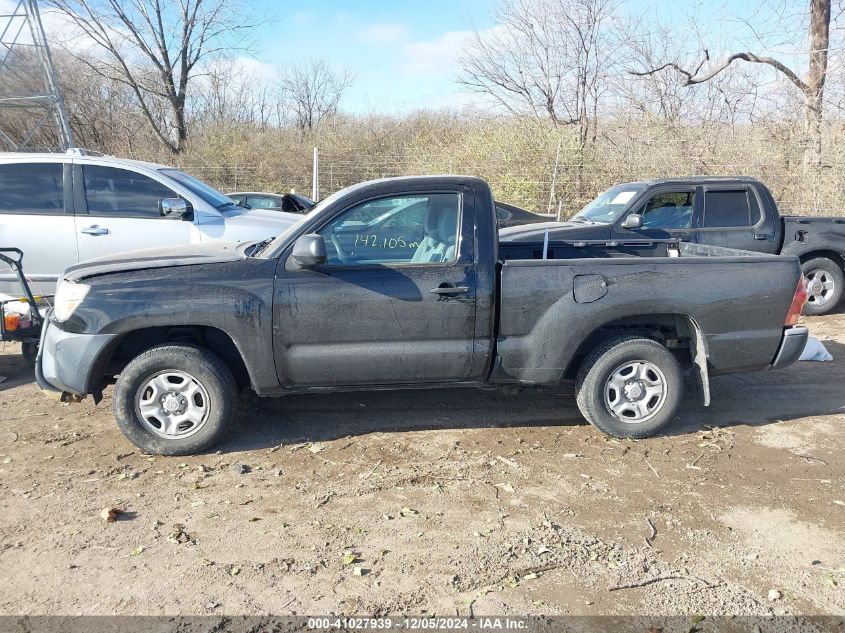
261, 202
32, 188
122, 193
416, 229
756, 216
669, 210
726, 209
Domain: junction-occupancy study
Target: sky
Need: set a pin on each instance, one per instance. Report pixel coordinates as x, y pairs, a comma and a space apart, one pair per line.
402, 52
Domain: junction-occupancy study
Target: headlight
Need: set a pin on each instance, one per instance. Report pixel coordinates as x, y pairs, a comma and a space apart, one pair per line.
68, 297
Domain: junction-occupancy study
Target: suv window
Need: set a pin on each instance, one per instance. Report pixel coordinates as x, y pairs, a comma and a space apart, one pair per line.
119, 192
32, 188
399, 229
726, 209
669, 210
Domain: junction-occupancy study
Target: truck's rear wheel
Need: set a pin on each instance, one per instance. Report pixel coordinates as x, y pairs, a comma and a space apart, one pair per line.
174, 399
825, 281
629, 387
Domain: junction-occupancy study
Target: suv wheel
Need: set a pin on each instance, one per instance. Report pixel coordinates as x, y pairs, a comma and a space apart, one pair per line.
629, 387
174, 399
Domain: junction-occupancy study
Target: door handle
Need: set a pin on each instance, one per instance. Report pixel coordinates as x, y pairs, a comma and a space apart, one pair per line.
761, 236
450, 290
95, 230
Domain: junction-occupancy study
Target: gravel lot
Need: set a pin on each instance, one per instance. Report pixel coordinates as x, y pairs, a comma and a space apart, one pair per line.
438, 502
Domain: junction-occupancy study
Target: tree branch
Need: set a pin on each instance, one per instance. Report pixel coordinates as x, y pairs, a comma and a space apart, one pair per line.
692, 79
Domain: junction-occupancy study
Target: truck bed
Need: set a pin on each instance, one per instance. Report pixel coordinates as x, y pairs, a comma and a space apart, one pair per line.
718, 292
802, 235
589, 249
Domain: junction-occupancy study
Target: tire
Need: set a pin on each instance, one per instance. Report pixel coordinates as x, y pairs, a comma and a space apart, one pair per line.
193, 381
829, 280
29, 351
638, 412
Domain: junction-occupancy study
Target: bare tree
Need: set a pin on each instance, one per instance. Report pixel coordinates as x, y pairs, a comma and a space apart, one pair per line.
729, 98
154, 47
232, 93
547, 57
312, 90
811, 85
103, 114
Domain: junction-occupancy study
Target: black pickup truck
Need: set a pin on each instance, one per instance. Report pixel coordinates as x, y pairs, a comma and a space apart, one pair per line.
324, 307
733, 212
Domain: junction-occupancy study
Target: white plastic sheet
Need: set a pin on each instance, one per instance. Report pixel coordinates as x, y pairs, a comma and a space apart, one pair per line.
814, 350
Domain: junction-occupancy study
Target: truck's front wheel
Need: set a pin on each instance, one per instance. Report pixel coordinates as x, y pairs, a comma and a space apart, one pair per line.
174, 399
824, 285
629, 387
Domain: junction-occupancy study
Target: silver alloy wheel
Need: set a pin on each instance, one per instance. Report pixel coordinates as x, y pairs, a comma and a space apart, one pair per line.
635, 391
820, 287
172, 404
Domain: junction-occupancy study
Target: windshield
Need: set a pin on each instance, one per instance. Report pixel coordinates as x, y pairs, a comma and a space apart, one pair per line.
609, 205
197, 186
282, 237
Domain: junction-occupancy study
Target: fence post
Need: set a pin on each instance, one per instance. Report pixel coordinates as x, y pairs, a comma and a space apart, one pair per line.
315, 177
554, 177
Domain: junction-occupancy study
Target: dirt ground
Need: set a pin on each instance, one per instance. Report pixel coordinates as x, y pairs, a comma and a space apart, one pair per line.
434, 502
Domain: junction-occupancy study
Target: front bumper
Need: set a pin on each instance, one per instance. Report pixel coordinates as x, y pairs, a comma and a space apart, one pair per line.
67, 361
791, 345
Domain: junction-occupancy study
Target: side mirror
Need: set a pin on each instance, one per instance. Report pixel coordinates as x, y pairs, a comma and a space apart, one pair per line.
633, 221
309, 251
174, 207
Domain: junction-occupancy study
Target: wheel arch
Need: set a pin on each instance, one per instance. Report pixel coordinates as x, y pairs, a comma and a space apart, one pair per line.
128, 345
680, 333
836, 258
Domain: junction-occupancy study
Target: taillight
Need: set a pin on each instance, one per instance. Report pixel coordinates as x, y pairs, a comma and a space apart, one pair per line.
798, 302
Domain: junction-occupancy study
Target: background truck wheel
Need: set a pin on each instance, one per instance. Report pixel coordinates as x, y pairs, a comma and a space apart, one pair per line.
174, 399
29, 351
629, 387
825, 280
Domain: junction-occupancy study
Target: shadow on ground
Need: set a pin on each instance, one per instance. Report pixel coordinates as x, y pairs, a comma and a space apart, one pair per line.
806, 389
15, 370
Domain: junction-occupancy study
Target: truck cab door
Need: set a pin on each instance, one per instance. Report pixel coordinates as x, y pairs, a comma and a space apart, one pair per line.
732, 217
667, 214
379, 311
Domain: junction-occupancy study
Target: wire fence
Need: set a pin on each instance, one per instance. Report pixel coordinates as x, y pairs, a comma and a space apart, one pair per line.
548, 173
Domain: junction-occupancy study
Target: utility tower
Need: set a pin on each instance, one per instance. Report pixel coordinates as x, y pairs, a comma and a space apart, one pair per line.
32, 111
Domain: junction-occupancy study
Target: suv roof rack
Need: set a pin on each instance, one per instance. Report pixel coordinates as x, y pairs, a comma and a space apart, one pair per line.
81, 151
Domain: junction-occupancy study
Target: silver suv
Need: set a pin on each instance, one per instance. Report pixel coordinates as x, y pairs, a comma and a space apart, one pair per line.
60, 209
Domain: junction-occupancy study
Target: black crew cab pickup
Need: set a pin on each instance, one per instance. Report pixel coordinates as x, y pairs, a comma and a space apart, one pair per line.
735, 212
441, 301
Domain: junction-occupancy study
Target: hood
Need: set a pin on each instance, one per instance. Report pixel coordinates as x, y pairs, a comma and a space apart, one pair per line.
265, 217
560, 231
188, 255
256, 224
